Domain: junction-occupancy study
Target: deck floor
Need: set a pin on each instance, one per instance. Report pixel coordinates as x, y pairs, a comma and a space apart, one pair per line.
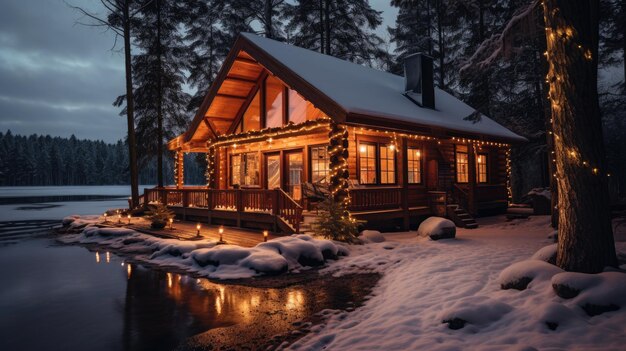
185, 230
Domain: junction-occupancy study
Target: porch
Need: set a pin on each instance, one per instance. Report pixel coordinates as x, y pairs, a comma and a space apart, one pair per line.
276, 211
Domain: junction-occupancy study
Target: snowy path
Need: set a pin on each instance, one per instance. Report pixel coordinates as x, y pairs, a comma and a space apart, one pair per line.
424, 280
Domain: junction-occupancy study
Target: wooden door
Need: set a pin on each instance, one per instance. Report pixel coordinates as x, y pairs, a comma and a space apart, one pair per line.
294, 174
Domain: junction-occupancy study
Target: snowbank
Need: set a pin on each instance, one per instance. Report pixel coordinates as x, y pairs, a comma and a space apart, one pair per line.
594, 293
425, 282
209, 259
371, 236
543, 192
437, 228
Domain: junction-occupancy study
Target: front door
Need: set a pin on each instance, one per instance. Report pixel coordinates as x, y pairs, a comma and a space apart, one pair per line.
272, 170
294, 171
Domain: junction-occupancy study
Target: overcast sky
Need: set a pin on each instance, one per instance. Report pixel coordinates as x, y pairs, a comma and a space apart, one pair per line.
60, 78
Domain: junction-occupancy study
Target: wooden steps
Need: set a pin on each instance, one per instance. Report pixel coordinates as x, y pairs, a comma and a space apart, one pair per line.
461, 218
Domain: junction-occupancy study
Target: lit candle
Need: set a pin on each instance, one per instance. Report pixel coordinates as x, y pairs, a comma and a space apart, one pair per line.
171, 221
198, 228
119, 218
129, 219
221, 231
105, 217
265, 234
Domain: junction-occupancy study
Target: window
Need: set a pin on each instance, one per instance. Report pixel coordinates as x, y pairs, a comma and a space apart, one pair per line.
387, 164
274, 90
481, 168
367, 163
414, 160
244, 169
252, 116
301, 110
461, 164
319, 163
235, 169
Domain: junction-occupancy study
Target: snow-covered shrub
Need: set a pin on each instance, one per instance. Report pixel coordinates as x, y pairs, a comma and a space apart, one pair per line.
475, 310
520, 274
372, 236
437, 228
546, 254
594, 293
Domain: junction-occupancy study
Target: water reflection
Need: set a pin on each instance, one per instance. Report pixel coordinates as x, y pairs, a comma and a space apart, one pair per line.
75, 304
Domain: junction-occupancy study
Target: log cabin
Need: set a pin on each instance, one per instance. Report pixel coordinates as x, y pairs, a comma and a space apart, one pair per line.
281, 121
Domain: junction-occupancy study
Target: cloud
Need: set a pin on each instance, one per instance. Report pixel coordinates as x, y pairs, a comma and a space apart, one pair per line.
57, 77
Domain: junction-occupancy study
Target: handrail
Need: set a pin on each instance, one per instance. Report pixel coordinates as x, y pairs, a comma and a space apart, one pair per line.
379, 198
289, 209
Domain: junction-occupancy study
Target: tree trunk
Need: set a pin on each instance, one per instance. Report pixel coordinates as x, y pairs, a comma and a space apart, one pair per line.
321, 2
267, 15
159, 100
585, 235
542, 87
327, 25
130, 110
440, 16
429, 29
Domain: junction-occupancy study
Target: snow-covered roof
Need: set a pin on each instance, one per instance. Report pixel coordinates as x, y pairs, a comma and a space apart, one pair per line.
367, 91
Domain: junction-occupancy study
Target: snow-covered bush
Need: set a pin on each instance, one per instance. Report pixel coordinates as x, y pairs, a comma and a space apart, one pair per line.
520, 274
546, 254
437, 228
594, 293
372, 236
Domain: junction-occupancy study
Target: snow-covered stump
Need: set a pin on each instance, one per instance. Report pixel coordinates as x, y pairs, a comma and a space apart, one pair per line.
371, 236
437, 228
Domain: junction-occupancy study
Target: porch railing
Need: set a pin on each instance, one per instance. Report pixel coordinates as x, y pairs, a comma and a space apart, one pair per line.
272, 202
371, 199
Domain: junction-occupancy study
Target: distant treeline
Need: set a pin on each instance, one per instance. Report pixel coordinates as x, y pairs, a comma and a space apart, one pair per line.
46, 160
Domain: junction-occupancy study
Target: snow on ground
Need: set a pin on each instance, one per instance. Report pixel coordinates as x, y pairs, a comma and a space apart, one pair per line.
426, 282
206, 257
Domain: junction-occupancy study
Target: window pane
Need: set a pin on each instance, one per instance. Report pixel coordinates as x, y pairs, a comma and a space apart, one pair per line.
297, 107
481, 168
252, 116
235, 170
251, 169
387, 165
319, 163
273, 102
367, 163
414, 158
461, 167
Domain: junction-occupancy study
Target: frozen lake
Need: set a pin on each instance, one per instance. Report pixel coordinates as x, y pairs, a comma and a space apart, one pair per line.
56, 202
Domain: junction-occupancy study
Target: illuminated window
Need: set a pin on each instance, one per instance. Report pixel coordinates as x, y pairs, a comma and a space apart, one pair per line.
387, 164
414, 159
252, 116
319, 163
461, 165
481, 168
244, 169
274, 90
235, 170
301, 110
367, 163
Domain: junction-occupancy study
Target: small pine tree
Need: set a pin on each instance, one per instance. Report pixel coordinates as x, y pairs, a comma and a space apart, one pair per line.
159, 215
332, 223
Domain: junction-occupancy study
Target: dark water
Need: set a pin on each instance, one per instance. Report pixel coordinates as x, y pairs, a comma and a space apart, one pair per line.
69, 298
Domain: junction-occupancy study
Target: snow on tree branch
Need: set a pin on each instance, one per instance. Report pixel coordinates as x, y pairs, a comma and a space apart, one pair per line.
490, 49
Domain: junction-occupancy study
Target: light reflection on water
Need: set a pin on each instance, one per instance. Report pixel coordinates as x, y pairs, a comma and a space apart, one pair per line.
72, 302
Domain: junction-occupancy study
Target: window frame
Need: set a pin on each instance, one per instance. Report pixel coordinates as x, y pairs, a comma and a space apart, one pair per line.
377, 143
486, 167
310, 161
420, 162
380, 164
243, 165
456, 165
